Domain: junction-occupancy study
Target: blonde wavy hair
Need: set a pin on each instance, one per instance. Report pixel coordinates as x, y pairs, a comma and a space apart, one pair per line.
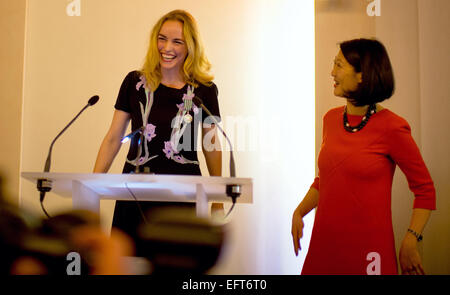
196, 67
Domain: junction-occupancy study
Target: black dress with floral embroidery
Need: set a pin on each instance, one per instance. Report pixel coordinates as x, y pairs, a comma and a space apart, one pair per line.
169, 135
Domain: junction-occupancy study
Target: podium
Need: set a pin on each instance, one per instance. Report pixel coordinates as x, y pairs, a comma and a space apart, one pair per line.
87, 189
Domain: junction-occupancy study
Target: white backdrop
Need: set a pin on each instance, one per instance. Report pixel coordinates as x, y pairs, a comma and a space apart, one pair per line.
262, 53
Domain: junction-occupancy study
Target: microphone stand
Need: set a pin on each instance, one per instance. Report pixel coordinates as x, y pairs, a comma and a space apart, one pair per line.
45, 185
232, 190
141, 142
137, 170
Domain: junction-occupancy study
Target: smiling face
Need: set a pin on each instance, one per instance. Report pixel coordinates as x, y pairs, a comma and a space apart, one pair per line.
346, 80
171, 46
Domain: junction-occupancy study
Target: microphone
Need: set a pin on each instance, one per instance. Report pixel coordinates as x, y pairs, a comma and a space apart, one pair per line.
129, 136
232, 190
45, 185
198, 101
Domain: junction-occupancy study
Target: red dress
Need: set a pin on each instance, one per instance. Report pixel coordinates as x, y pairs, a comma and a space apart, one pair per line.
353, 216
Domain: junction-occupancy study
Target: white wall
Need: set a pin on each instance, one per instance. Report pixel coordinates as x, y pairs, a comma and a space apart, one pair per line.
262, 53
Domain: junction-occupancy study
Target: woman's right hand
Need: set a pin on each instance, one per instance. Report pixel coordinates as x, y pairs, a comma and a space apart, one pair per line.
297, 230
308, 203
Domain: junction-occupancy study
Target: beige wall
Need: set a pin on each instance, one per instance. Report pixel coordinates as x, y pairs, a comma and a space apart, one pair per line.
336, 21
434, 48
12, 39
397, 28
416, 36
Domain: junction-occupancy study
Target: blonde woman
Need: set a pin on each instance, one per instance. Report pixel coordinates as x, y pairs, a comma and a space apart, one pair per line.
158, 101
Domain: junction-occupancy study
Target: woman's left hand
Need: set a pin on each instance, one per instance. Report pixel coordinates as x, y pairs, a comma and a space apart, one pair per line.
409, 257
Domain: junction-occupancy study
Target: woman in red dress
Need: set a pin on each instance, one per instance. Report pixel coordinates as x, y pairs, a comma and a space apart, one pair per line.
361, 145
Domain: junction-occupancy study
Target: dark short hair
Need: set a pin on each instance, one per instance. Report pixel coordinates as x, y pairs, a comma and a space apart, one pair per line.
369, 57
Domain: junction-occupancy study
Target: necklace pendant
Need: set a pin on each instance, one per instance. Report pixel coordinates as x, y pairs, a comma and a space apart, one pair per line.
187, 105
187, 118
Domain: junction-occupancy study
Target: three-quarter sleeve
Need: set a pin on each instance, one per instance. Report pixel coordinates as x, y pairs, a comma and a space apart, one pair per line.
316, 183
405, 153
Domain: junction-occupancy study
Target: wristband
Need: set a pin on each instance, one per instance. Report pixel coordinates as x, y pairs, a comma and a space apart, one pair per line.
418, 236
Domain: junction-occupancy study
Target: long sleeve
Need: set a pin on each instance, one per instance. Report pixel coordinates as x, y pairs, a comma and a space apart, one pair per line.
316, 183
405, 153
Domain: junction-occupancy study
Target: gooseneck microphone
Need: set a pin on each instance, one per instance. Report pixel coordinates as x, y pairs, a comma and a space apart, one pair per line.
93, 100
232, 190
198, 101
45, 185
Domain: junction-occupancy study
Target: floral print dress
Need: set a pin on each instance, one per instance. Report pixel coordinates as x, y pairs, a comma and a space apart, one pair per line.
168, 129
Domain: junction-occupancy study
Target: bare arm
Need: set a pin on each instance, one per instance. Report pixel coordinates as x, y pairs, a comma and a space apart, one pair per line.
213, 156
308, 203
212, 150
112, 142
419, 219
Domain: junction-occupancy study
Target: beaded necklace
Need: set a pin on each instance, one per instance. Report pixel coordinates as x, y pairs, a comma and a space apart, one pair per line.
370, 111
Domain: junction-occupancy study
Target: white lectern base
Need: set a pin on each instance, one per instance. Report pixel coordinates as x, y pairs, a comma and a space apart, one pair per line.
86, 190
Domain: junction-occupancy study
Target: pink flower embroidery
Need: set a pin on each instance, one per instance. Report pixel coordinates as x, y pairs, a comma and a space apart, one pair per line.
188, 96
180, 106
179, 159
168, 150
149, 131
142, 82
